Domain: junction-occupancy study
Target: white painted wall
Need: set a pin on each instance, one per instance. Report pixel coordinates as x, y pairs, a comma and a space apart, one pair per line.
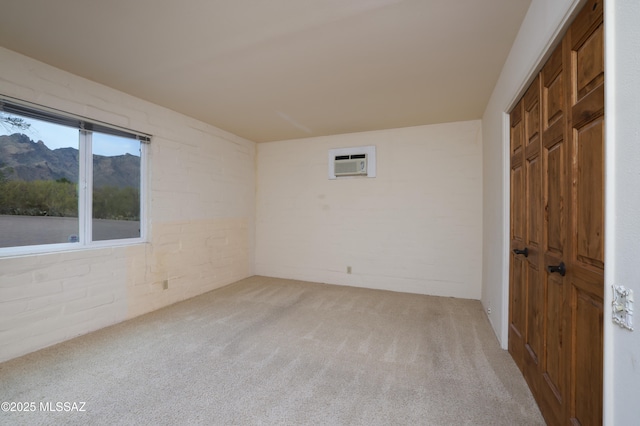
622, 347
416, 227
202, 213
545, 20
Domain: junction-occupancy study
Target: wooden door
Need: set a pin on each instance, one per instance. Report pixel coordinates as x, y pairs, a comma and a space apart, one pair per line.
519, 252
545, 366
585, 254
557, 238
525, 225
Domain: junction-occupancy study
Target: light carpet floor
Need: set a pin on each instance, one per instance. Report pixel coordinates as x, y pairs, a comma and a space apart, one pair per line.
282, 352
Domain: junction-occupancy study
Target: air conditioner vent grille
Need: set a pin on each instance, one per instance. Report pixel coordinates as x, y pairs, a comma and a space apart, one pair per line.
350, 165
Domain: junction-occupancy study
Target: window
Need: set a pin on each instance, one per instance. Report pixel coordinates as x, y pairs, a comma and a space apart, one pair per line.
67, 182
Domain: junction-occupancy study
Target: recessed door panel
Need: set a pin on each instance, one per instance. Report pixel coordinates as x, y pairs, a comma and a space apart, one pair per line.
588, 363
535, 317
589, 60
554, 192
590, 194
554, 349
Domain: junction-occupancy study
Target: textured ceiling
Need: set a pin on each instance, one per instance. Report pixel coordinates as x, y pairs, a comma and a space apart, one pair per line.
280, 69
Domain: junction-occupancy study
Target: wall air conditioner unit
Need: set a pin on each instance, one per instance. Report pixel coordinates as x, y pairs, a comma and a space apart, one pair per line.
350, 165
352, 162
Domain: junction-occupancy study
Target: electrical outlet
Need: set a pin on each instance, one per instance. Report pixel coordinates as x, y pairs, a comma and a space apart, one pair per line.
488, 311
165, 284
348, 269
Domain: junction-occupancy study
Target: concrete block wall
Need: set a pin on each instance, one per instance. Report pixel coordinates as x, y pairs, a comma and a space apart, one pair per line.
201, 220
416, 227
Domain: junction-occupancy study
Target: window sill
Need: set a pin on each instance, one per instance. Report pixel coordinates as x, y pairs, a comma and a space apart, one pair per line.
13, 252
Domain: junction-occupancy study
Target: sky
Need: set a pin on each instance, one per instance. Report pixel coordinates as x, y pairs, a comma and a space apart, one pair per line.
55, 136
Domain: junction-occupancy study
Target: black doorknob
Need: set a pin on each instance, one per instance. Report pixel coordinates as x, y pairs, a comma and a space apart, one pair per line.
560, 269
525, 252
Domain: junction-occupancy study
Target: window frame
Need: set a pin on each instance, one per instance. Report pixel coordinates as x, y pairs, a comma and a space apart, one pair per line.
86, 128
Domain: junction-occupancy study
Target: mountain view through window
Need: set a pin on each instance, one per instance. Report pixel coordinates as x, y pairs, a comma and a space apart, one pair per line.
43, 197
